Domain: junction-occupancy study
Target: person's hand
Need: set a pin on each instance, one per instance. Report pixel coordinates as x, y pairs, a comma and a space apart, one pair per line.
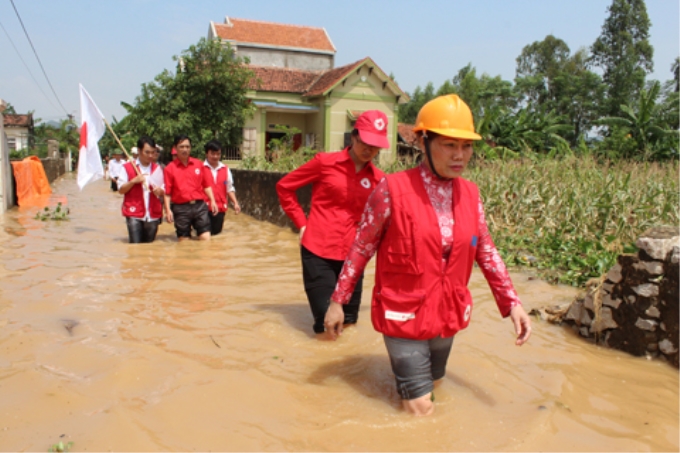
158, 192
214, 208
522, 324
237, 208
335, 317
302, 232
139, 179
169, 217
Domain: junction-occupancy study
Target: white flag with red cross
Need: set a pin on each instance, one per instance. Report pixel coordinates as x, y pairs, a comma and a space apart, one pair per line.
92, 127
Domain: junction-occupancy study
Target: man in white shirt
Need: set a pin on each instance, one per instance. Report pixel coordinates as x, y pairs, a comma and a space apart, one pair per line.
115, 166
222, 183
142, 184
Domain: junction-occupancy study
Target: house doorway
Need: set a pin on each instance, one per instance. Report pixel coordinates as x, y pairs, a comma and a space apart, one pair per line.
269, 136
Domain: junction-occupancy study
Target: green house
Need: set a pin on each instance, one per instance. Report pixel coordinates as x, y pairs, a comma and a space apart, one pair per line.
297, 85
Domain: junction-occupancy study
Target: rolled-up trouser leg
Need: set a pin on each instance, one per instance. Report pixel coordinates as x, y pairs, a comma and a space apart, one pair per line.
416, 364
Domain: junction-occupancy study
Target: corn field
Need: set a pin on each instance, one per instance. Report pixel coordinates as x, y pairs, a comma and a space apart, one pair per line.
569, 219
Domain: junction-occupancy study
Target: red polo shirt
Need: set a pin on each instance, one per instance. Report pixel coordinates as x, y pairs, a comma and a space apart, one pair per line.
339, 195
185, 183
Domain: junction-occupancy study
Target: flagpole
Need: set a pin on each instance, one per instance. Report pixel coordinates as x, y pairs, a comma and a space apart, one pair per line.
121, 145
137, 170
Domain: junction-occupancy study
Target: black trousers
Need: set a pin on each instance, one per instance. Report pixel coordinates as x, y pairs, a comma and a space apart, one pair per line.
141, 232
216, 223
320, 275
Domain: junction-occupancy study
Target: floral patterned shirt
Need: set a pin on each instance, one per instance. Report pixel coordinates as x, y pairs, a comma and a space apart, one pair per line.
376, 219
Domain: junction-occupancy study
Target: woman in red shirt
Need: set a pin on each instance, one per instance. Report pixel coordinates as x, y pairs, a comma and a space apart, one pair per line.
341, 183
427, 226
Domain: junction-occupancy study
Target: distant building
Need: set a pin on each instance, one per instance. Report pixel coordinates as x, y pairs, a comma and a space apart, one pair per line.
18, 130
279, 45
297, 85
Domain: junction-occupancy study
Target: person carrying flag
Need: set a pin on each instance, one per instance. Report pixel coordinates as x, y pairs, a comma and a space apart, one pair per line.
142, 207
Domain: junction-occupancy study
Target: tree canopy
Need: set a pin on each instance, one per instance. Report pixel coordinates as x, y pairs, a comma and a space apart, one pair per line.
205, 98
623, 53
595, 99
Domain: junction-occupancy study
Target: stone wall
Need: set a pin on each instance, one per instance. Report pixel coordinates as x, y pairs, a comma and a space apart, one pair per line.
54, 167
256, 192
634, 308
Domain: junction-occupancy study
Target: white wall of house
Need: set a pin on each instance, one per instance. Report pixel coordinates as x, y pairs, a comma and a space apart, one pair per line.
6, 190
17, 138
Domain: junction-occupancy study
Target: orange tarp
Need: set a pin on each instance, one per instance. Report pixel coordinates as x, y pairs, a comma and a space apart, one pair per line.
32, 183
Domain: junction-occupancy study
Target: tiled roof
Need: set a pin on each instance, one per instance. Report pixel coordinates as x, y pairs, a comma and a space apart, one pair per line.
273, 34
306, 83
330, 78
406, 133
284, 80
11, 120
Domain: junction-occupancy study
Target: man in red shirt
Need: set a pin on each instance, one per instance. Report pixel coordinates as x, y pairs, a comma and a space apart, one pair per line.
341, 183
222, 184
186, 185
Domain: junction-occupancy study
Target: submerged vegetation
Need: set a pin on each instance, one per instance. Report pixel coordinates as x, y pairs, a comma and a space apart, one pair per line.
59, 213
61, 447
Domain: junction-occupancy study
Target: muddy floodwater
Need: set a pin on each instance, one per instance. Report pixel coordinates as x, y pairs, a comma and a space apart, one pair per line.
208, 346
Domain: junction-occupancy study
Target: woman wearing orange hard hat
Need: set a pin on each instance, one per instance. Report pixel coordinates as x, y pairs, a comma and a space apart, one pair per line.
427, 226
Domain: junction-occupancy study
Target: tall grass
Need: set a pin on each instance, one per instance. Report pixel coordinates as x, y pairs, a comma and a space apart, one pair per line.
571, 218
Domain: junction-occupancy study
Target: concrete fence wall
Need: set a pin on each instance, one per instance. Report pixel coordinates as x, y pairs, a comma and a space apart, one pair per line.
256, 192
54, 167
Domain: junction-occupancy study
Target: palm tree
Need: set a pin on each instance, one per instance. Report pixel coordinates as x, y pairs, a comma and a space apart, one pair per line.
647, 125
523, 131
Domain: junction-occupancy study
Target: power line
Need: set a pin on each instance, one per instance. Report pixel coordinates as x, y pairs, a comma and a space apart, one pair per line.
38, 58
27, 68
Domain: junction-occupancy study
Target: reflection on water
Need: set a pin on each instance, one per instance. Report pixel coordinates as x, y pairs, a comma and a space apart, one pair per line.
208, 346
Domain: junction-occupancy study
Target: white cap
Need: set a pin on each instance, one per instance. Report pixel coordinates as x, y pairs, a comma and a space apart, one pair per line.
134, 150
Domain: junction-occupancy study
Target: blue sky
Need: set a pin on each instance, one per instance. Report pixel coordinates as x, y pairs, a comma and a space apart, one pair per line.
113, 46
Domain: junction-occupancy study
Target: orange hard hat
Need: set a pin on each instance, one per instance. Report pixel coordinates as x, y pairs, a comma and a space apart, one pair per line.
447, 115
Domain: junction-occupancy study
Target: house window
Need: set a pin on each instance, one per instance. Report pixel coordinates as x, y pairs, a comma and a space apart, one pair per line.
12, 143
249, 141
310, 141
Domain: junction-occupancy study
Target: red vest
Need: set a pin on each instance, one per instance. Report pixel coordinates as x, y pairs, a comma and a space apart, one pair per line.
218, 187
133, 203
413, 298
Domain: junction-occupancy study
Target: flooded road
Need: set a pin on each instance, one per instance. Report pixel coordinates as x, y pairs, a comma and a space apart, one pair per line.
208, 346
